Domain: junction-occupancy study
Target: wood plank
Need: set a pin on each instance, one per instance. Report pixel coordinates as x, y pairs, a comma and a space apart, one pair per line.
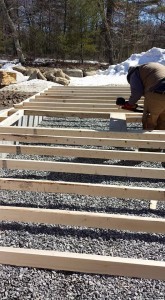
118, 122
71, 114
86, 263
4, 112
103, 190
142, 135
66, 140
80, 168
49, 99
82, 219
87, 91
83, 96
74, 88
90, 89
72, 108
2, 119
13, 118
153, 204
69, 106
85, 153
131, 117
59, 87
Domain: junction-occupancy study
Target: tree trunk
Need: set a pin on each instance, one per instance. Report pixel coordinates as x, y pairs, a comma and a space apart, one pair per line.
13, 31
107, 13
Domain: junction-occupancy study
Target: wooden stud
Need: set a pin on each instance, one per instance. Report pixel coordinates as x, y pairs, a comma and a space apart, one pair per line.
142, 135
118, 122
77, 168
86, 263
67, 140
85, 153
48, 186
82, 219
13, 118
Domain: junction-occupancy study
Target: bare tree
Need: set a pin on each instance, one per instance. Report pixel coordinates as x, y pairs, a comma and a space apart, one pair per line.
108, 29
13, 30
107, 9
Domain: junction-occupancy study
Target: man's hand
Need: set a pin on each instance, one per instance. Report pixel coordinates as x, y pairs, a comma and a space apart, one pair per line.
129, 106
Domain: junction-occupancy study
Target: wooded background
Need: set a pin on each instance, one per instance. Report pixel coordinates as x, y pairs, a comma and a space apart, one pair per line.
100, 30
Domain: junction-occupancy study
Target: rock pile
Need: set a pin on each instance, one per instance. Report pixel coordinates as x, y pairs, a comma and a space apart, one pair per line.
55, 75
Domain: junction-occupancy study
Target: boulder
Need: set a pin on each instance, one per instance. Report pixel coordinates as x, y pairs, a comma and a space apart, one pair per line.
73, 72
29, 72
59, 73
33, 75
49, 75
62, 81
58, 76
20, 69
5, 103
90, 73
7, 78
40, 75
67, 77
36, 74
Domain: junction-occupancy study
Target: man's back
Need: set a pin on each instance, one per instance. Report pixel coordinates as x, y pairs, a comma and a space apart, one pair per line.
151, 74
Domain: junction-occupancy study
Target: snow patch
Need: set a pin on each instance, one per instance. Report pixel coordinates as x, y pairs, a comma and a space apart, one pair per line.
114, 75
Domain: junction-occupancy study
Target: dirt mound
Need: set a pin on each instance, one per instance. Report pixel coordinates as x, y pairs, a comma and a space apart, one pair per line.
8, 98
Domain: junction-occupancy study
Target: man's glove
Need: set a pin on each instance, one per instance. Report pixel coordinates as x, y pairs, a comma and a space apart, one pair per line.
129, 106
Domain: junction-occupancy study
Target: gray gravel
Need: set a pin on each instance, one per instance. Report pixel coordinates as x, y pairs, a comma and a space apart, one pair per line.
31, 283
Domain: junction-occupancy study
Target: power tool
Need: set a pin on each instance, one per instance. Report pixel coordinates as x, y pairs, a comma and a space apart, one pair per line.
120, 101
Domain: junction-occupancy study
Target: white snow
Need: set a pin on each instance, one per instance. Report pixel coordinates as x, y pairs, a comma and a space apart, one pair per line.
114, 75
31, 86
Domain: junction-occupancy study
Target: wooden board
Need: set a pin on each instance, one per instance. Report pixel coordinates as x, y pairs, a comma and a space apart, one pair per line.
80, 168
86, 263
48, 186
117, 122
156, 135
84, 153
82, 219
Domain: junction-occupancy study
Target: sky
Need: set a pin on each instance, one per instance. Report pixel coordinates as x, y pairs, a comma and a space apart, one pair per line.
114, 75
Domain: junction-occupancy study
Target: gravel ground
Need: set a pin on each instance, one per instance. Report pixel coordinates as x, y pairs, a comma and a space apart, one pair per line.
31, 283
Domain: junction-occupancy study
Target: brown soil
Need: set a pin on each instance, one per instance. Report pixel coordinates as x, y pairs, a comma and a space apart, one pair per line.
8, 98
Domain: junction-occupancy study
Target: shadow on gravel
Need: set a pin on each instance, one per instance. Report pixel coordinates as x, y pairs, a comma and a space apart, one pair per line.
89, 178
129, 163
89, 160
82, 232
